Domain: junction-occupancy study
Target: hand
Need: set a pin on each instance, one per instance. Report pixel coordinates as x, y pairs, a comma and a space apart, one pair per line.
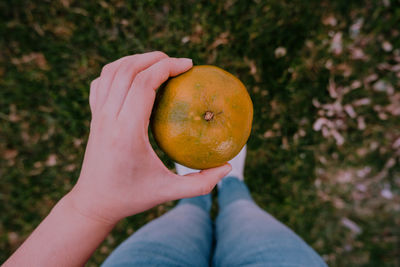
121, 174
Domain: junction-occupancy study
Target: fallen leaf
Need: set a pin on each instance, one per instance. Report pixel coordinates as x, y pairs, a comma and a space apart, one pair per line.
383, 86
321, 122
386, 193
38, 164
13, 116
370, 78
104, 250
78, 142
269, 134
358, 53
396, 144
185, 39
356, 28
332, 89
220, 40
338, 137
336, 44
350, 111
361, 102
36, 58
51, 160
10, 154
361, 123
13, 238
352, 226
386, 46
280, 52
70, 167
329, 20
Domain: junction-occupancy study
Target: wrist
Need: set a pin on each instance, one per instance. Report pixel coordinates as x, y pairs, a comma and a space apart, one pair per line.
73, 205
66, 237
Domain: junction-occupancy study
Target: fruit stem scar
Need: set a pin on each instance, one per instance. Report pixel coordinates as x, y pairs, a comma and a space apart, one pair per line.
209, 115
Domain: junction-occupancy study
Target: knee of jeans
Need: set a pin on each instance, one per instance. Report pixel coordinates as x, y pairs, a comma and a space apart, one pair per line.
156, 254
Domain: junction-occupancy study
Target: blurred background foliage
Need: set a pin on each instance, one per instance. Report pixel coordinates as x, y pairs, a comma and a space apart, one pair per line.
323, 156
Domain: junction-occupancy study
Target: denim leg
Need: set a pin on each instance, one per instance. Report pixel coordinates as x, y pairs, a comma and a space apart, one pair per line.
246, 235
181, 237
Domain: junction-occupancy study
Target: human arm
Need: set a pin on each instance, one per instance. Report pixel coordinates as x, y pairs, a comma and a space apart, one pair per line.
121, 174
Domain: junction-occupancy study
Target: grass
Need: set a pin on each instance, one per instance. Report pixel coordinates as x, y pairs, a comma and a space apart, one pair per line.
323, 156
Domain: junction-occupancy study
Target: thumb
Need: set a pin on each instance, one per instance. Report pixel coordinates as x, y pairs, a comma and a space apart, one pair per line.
200, 183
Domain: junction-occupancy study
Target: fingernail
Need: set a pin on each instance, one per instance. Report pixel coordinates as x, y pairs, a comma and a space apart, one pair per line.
186, 60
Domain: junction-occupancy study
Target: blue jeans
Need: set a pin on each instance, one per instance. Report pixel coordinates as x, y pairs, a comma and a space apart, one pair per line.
244, 235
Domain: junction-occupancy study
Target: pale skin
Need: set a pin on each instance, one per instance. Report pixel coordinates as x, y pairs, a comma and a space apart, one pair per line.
121, 174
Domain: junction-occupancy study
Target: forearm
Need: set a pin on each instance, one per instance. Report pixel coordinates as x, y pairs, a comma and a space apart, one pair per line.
64, 238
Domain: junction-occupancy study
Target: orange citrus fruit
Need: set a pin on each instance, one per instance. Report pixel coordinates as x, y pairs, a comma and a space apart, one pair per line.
202, 118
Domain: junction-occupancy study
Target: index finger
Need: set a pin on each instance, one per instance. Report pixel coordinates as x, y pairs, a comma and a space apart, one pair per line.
140, 99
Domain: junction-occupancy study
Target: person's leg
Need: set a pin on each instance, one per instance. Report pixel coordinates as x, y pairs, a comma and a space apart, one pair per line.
181, 237
248, 236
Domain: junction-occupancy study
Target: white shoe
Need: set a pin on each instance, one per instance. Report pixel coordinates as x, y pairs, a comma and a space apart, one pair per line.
182, 170
237, 164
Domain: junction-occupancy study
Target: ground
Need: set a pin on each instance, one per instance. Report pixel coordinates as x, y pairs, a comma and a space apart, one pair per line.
323, 155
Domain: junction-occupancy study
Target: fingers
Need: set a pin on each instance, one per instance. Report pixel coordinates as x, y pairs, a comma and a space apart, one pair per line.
105, 80
140, 98
201, 183
93, 94
124, 76
109, 72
